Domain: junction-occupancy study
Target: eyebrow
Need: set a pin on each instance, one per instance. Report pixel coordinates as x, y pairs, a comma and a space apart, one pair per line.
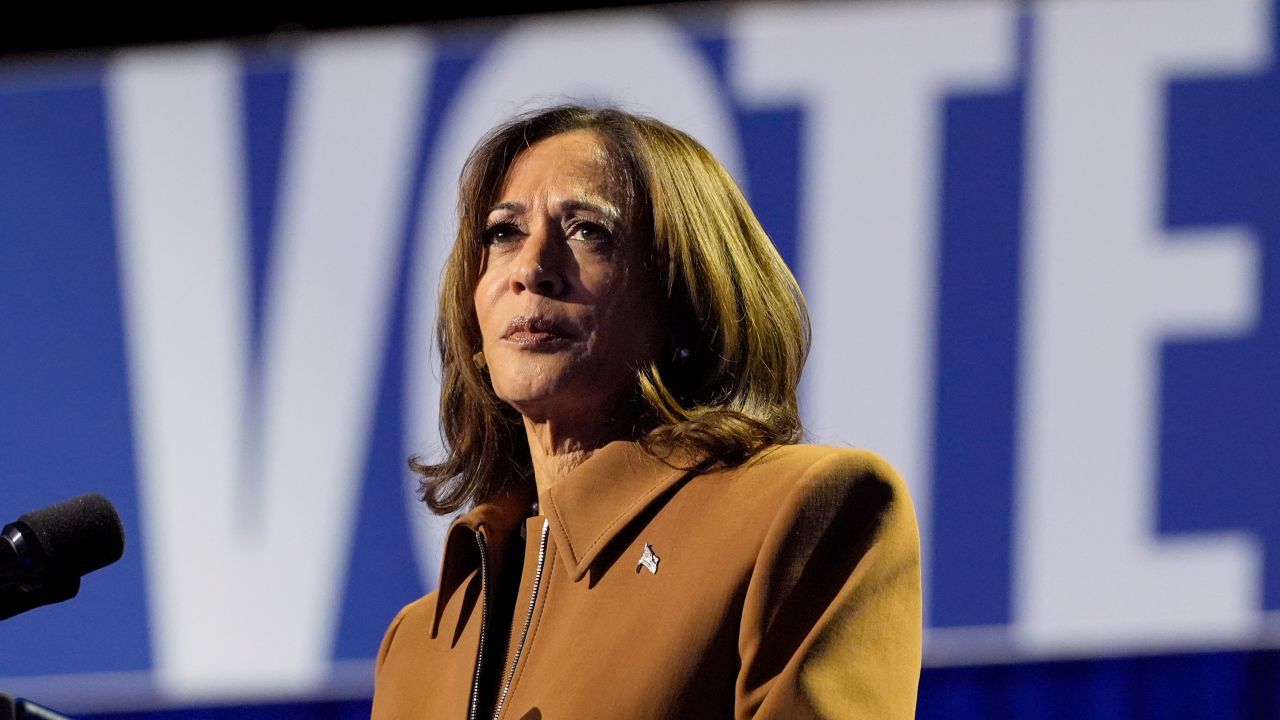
591, 204
599, 206
514, 207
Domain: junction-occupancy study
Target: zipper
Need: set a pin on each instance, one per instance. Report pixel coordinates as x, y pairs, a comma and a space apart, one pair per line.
528, 620
484, 624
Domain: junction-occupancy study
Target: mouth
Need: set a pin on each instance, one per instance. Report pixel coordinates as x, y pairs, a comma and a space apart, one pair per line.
534, 331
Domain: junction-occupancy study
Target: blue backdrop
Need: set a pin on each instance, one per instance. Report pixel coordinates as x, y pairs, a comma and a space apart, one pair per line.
1051, 227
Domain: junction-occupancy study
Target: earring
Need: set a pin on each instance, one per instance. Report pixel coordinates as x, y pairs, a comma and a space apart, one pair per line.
478, 360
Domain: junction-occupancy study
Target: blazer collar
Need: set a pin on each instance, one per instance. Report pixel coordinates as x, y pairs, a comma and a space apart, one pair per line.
499, 521
595, 501
586, 509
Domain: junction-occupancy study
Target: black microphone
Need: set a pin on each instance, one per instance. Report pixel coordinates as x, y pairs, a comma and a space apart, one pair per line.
44, 553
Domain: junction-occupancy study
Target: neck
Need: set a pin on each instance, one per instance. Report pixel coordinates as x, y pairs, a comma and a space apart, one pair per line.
556, 449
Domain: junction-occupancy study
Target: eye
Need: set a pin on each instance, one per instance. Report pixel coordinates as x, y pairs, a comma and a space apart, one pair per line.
500, 233
590, 232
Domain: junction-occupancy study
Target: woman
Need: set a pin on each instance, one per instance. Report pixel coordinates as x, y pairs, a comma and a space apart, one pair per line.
621, 347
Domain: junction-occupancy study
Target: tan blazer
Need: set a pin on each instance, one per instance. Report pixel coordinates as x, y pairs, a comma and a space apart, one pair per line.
786, 588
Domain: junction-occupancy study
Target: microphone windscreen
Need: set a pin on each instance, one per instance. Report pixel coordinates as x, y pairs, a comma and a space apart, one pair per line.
77, 536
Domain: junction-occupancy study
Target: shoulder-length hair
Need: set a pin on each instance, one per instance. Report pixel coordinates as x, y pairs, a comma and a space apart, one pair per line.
724, 386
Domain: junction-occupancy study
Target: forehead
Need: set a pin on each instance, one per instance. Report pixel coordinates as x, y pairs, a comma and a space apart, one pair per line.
568, 165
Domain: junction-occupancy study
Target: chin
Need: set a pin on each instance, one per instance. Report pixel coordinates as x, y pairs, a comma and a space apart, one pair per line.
535, 384
527, 392
550, 396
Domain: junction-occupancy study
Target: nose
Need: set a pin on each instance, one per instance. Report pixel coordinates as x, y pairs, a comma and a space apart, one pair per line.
538, 268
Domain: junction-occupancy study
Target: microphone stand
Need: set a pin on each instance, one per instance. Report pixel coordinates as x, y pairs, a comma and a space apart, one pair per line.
19, 709
14, 599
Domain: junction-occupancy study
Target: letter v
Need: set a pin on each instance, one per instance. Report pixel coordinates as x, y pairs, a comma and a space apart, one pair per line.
250, 471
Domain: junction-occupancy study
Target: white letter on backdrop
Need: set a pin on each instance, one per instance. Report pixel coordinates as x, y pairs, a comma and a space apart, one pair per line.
871, 80
1104, 286
635, 59
250, 473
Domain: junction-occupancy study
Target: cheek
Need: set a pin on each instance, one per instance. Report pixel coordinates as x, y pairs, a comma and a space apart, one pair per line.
487, 291
604, 277
606, 288
626, 322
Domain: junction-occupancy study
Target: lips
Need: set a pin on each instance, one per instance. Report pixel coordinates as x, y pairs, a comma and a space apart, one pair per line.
533, 331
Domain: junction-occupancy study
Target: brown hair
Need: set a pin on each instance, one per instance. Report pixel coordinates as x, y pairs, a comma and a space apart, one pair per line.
738, 330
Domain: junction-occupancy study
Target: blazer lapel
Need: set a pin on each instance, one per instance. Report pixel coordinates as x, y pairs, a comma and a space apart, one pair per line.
595, 501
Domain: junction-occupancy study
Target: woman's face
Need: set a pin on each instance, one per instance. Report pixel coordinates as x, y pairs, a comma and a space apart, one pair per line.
567, 310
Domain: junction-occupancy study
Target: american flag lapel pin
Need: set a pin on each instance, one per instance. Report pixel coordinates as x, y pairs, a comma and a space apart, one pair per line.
648, 560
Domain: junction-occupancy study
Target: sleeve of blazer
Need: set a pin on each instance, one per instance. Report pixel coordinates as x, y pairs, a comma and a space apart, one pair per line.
831, 624
387, 638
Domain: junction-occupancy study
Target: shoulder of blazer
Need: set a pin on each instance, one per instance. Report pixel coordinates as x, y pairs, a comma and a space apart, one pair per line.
820, 473
822, 490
